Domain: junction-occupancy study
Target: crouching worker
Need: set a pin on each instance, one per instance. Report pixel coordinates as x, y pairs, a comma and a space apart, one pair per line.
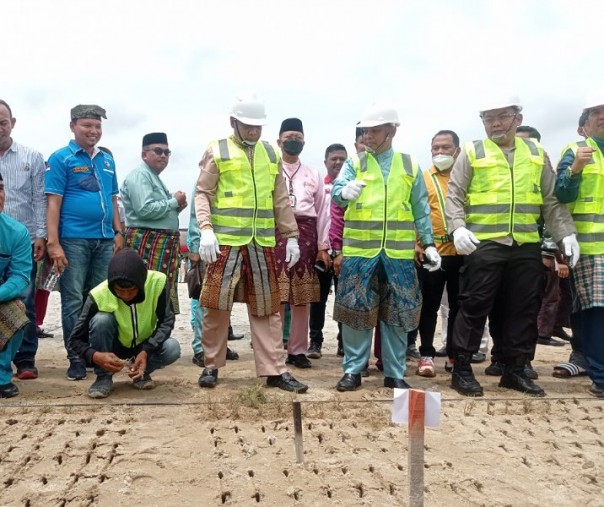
126, 322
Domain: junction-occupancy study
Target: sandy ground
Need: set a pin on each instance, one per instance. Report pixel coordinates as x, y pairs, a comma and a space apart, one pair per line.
234, 445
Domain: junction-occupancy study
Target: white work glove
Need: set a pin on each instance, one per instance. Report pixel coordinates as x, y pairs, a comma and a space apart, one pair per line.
571, 249
208, 246
352, 190
433, 258
292, 252
465, 241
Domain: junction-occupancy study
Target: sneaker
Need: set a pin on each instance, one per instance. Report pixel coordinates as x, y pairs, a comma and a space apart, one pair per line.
442, 352
314, 351
298, 360
144, 383
101, 387
231, 355
495, 369
479, 357
286, 382
198, 359
413, 352
27, 370
76, 370
425, 367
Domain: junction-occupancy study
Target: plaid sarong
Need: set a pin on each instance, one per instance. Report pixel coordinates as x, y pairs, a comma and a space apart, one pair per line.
159, 249
588, 281
12, 320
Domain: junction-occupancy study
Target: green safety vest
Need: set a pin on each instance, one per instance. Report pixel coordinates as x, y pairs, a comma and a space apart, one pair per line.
381, 218
503, 199
243, 207
135, 323
588, 209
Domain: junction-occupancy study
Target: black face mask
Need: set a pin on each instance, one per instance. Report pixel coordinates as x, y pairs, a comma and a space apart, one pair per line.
293, 146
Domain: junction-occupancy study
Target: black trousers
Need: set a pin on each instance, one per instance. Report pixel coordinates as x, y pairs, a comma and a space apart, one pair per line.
316, 321
505, 283
433, 285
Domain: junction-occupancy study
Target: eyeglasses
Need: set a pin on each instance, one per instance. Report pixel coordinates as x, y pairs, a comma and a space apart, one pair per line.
489, 120
159, 151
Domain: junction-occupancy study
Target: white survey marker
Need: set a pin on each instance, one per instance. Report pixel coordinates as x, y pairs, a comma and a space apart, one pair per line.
400, 408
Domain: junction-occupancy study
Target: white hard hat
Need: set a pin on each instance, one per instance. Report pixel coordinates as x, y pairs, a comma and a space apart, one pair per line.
379, 114
594, 99
500, 101
249, 109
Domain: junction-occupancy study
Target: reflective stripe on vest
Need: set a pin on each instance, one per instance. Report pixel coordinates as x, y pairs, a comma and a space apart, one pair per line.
135, 323
502, 200
243, 207
381, 218
588, 209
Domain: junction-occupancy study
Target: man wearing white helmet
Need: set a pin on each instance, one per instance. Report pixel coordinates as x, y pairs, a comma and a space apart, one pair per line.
386, 201
580, 182
499, 188
239, 200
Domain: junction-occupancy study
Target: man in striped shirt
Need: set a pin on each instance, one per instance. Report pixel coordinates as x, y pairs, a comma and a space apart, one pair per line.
23, 172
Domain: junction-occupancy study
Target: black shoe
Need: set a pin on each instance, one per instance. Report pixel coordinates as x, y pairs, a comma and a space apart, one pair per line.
560, 332
233, 337
231, 355
514, 378
198, 359
479, 357
286, 382
76, 370
495, 369
462, 378
397, 383
8, 390
413, 352
442, 352
27, 370
314, 351
44, 334
298, 360
544, 340
208, 377
530, 372
349, 382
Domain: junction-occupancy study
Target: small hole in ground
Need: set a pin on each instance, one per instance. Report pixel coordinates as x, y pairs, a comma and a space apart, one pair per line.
225, 497
286, 472
220, 475
250, 473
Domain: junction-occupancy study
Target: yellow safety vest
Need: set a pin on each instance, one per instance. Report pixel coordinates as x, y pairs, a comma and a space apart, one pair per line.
381, 218
243, 207
135, 323
503, 199
588, 209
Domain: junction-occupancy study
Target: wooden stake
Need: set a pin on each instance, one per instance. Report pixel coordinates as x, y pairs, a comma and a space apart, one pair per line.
298, 432
417, 408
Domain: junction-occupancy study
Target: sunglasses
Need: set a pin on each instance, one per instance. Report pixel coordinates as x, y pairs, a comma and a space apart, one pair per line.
159, 152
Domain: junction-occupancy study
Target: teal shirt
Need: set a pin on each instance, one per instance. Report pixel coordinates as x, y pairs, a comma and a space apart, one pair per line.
419, 194
15, 258
193, 233
147, 201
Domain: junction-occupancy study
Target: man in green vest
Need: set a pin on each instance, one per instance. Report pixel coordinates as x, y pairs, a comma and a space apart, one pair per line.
499, 188
580, 182
240, 198
386, 203
126, 321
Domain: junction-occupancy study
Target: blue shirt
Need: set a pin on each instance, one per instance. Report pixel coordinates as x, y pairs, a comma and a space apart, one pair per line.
87, 186
419, 194
15, 258
567, 185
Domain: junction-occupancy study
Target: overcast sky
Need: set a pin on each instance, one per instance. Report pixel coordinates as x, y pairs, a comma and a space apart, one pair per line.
175, 66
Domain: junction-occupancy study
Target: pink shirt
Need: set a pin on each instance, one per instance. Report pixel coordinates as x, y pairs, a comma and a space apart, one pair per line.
307, 186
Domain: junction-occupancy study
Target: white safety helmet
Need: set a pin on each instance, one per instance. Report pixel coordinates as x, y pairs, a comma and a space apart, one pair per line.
500, 101
595, 99
379, 114
249, 109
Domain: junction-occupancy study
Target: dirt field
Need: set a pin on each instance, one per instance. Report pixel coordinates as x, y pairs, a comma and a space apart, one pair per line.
234, 445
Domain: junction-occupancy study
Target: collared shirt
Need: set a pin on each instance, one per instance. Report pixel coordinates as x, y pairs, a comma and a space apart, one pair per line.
307, 187
22, 170
205, 193
556, 216
436, 200
87, 209
147, 201
15, 258
419, 195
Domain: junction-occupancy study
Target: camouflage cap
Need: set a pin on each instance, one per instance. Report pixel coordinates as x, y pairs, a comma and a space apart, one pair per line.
88, 111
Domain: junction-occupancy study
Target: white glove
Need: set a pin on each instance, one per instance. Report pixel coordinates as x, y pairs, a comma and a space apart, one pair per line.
465, 241
433, 258
208, 246
571, 249
292, 252
352, 190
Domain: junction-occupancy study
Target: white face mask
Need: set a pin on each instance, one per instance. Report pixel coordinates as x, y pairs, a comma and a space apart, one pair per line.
443, 162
